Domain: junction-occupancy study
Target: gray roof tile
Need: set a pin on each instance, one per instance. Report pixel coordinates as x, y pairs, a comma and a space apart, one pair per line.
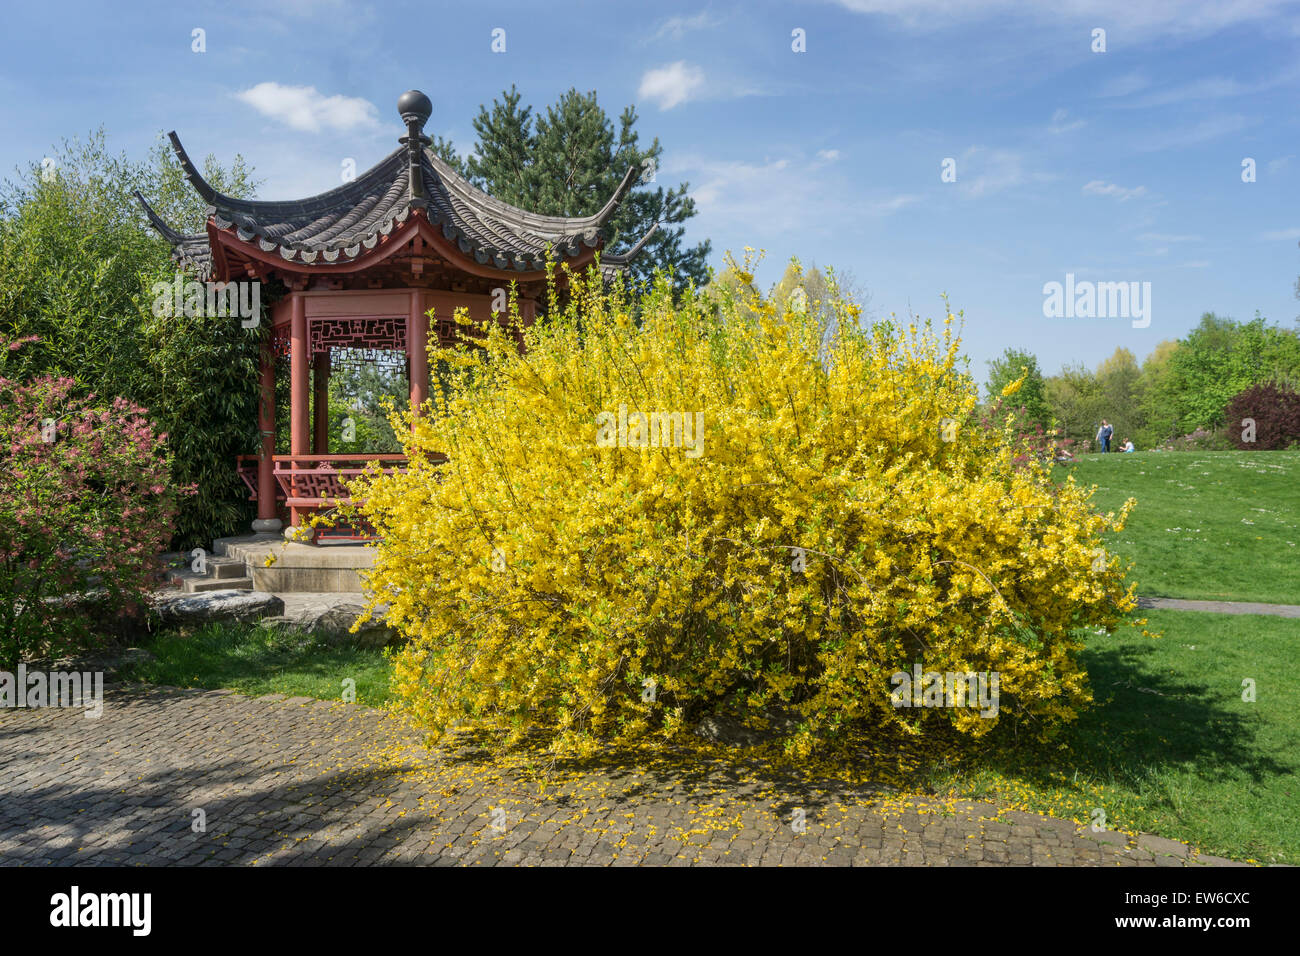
348, 220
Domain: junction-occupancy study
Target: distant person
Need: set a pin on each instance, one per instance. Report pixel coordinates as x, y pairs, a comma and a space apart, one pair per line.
1103, 436
1128, 445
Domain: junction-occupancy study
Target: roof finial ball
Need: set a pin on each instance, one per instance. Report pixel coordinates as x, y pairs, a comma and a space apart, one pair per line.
415, 108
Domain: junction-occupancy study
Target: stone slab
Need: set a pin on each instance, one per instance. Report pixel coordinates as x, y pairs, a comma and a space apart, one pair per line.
177, 607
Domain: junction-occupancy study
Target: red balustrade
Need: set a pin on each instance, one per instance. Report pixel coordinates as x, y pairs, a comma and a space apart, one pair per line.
309, 482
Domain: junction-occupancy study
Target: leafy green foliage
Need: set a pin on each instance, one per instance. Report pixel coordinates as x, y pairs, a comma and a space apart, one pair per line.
1176, 398
362, 392
1220, 358
77, 259
1032, 396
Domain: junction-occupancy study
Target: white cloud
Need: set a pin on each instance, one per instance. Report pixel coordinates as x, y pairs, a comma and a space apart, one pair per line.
1169, 237
1122, 17
304, 108
895, 203
737, 196
1204, 131
1124, 85
982, 171
1099, 188
677, 27
1275, 165
830, 155
1061, 122
1280, 235
671, 85
1212, 88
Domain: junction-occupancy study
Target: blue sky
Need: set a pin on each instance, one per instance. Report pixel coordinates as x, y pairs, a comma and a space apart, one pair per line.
1123, 165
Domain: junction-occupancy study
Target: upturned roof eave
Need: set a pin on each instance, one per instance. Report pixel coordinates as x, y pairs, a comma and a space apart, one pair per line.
522, 219
258, 209
385, 247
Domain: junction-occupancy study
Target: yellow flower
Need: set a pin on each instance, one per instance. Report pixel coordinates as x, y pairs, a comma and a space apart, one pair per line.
793, 523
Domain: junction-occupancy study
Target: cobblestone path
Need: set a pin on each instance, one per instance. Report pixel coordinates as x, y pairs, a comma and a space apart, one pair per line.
201, 777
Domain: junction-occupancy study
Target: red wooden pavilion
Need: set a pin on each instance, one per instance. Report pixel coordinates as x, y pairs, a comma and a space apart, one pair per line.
365, 266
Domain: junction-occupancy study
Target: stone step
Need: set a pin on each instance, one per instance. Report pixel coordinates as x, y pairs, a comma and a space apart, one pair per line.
221, 569
196, 584
226, 568
179, 576
265, 539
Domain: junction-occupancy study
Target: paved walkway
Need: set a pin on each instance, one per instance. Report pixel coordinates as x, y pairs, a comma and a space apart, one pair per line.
190, 777
1221, 607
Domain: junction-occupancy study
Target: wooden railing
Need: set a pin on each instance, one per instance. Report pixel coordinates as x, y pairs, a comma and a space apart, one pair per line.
308, 481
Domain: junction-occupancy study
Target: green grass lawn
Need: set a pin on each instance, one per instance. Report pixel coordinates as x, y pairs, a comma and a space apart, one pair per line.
1170, 747
1219, 526
258, 660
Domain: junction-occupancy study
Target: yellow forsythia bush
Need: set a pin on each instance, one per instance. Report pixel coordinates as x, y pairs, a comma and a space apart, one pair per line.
795, 521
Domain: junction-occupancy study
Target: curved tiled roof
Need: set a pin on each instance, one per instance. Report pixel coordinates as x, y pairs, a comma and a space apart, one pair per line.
345, 223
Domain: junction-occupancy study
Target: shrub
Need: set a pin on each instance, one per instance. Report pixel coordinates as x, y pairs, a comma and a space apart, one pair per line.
1275, 410
829, 531
1045, 445
1203, 439
77, 263
200, 385
85, 508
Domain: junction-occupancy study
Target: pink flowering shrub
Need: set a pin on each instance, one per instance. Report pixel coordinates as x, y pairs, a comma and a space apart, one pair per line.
86, 506
1027, 437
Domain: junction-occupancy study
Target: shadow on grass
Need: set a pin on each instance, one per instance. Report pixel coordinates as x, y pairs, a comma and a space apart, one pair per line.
1141, 724
1142, 727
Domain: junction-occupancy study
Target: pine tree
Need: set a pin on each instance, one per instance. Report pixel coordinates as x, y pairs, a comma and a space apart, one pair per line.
568, 161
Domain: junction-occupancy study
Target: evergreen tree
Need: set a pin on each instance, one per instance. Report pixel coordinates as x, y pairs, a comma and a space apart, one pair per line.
568, 161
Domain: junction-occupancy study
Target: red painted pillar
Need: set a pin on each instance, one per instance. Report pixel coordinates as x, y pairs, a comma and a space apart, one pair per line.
267, 519
527, 316
320, 403
417, 349
298, 386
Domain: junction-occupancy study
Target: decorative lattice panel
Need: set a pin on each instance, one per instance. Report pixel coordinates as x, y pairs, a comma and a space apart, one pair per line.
324, 334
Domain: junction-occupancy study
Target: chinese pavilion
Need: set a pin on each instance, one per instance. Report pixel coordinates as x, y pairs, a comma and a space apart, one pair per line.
364, 266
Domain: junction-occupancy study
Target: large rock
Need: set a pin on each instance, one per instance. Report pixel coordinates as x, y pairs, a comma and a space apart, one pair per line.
224, 605
731, 732
335, 626
330, 616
